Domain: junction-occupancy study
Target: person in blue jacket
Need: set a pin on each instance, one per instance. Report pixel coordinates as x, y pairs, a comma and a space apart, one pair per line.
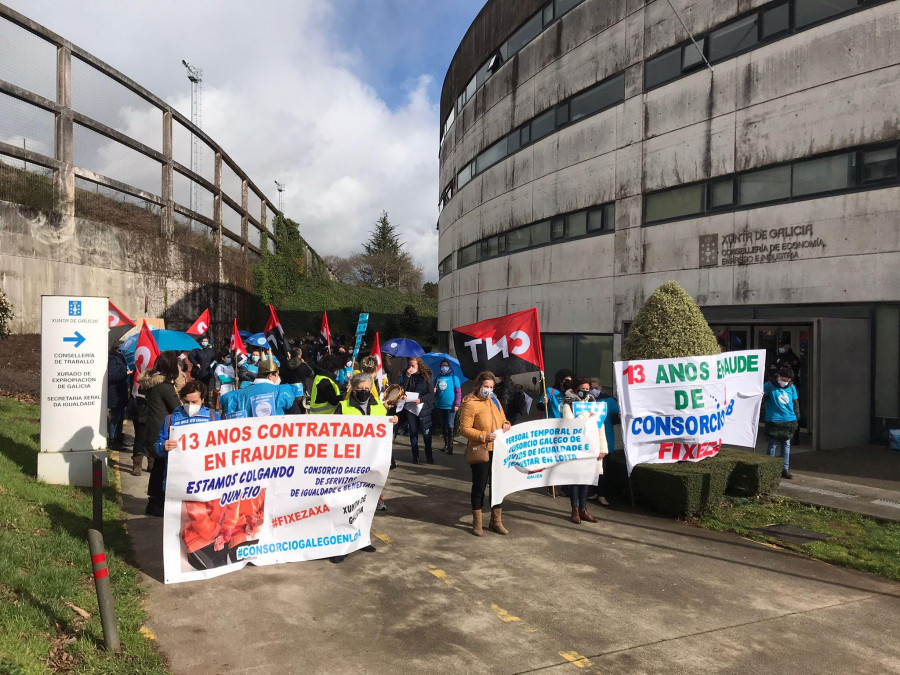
191, 411
782, 410
554, 396
447, 397
265, 397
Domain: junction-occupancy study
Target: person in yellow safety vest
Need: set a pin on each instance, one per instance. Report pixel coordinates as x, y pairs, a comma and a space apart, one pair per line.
362, 401
325, 395
369, 365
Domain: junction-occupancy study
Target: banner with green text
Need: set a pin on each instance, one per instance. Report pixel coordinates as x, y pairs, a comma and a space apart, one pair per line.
685, 409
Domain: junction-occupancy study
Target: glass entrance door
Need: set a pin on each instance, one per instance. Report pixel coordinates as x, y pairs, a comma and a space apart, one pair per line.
777, 339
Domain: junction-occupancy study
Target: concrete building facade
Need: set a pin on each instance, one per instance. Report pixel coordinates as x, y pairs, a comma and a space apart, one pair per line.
593, 149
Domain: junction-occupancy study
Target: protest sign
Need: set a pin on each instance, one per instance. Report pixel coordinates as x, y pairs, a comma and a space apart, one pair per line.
544, 453
360, 332
271, 490
685, 409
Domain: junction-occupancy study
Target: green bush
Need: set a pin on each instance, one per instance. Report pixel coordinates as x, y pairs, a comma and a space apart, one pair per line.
753, 474
669, 325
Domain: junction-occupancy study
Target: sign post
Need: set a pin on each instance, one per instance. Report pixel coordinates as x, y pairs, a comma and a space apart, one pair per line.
74, 344
360, 332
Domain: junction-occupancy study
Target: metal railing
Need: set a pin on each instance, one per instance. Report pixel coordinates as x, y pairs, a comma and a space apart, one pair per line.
82, 139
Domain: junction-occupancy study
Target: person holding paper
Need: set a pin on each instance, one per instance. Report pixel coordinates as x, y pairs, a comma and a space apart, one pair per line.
418, 402
480, 418
448, 395
578, 494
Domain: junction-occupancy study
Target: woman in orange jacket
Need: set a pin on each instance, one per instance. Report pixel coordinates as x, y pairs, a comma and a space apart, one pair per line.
480, 416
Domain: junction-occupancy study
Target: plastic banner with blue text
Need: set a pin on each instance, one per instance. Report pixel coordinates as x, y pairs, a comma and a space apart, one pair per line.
685, 409
271, 490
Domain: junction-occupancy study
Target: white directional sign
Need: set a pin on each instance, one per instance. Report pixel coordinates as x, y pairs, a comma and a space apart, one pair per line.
74, 346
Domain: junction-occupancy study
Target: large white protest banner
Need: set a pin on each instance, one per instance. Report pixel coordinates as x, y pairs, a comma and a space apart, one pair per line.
271, 490
544, 453
685, 409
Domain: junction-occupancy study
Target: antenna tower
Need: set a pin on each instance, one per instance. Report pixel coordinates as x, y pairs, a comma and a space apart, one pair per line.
280, 187
195, 75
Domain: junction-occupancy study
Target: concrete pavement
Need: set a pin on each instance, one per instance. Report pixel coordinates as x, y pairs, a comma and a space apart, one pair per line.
634, 593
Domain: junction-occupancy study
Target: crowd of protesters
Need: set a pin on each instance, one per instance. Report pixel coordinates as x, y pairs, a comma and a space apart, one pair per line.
317, 378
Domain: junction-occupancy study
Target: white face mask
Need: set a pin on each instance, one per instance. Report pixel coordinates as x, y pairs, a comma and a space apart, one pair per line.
595, 392
485, 392
783, 383
277, 380
192, 408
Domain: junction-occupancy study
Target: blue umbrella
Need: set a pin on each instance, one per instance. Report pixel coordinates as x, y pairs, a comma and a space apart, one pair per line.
244, 333
433, 361
257, 340
166, 340
402, 347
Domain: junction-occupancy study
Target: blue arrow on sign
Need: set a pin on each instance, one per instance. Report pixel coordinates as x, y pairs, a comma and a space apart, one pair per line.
78, 339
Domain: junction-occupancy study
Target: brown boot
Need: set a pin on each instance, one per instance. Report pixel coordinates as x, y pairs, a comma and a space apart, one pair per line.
576, 518
497, 524
150, 462
587, 517
136, 465
477, 526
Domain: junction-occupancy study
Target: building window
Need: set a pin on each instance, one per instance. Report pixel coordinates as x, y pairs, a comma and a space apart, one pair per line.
675, 203
540, 233
445, 267
836, 172
692, 55
465, 175
598, 98
576, 224
516, 240
879, 164
585, 355
662, 69
721, 193
468, 255
768, 185
807, 12
543, 125
776, 21
733, 38
558, 228
491, 156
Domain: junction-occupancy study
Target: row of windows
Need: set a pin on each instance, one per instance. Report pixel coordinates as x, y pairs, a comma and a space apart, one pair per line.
575, 225
857, 169
574, 109
527, 32
770, 22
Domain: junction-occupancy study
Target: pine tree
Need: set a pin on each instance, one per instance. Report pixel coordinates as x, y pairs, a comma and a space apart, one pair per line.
669, 325
384, 238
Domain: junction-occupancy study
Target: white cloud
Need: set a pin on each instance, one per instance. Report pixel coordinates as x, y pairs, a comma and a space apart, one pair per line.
280, 97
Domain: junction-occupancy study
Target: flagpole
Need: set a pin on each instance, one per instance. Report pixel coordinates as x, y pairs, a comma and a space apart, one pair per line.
547, 416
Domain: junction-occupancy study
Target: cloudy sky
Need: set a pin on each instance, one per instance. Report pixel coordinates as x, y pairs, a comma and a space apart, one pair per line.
336, 98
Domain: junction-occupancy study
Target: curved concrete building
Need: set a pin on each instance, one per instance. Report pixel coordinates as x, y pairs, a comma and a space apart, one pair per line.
593, 149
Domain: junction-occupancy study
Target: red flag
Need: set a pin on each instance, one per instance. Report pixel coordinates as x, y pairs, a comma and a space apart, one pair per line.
326, 332
201, 325
117, 317
237, 345
145, 354
506, 345
379, 371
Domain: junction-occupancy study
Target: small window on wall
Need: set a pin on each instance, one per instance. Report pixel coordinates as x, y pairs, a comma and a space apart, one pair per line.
576, 224
824, 175
721, 193
543, 125
765, 186
879, 165
776, 21
468, 255
692, 55
563, 6
733, 38
540, 233
516, 240
807, 12
662, 68
684, 201
594, 358
558, 228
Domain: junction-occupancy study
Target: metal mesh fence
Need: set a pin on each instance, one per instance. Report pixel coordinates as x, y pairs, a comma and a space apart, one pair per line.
27, 126
98, 96
231, 220
27, 60
253, 235
26, 183
254, 204
270, 220
191, 195
100, 154
106, 205
182, 152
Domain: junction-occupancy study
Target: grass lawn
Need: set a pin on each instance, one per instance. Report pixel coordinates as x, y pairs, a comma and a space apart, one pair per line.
856, 541
45, 568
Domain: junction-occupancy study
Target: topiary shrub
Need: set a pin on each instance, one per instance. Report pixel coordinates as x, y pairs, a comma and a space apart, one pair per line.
682, 488
752, 474
669, 325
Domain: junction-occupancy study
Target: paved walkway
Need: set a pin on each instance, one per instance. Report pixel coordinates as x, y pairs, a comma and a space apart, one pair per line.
634, 593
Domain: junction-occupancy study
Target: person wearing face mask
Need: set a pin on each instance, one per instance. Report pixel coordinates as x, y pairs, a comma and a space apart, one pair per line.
264, 398
325, 394
202, 361
552, 399
787, 357
223, 377
417, 378
613, 418
578, 494
447, 397
782, 409
248, 369
363, 400
191, 411
480, 417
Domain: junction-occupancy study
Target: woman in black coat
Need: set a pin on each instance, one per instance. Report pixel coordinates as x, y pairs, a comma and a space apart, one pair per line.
161, 399
417, 378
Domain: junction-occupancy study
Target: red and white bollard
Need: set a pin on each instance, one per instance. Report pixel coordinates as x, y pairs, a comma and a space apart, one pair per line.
104, 592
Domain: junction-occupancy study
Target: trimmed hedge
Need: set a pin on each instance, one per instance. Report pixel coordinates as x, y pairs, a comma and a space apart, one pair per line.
688, 488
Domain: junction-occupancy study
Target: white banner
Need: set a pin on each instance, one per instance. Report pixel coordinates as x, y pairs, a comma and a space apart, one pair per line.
271, 490
544, 453
685, 409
